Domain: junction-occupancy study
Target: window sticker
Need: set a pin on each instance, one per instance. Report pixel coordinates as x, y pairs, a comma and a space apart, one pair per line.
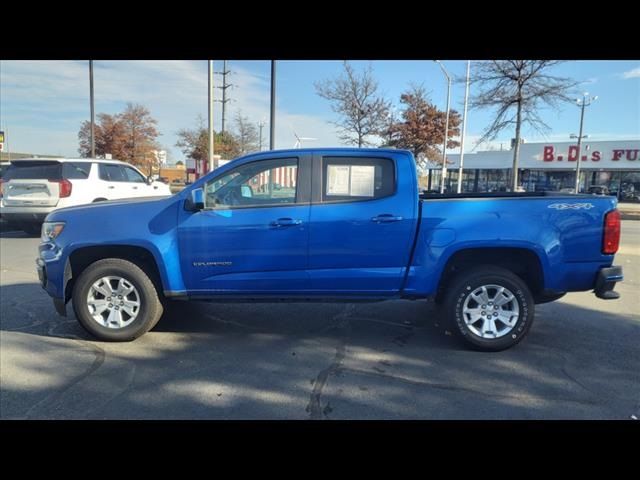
362, 180
338, 179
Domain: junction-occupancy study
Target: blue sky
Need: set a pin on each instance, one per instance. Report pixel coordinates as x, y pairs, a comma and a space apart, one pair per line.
42, 103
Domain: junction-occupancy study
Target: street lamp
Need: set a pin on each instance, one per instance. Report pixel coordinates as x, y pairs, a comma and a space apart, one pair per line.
583, 102
446, 128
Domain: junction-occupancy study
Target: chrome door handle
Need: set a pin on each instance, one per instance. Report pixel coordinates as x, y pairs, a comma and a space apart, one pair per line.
111, 186
386, 218
285, 222
135, 188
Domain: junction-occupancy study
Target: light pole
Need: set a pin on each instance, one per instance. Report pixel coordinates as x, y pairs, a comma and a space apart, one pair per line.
211, 134
446, 128
464, 129
272, 122
583, 102
93, 121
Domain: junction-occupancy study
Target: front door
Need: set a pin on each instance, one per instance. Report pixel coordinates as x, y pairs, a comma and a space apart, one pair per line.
252, 235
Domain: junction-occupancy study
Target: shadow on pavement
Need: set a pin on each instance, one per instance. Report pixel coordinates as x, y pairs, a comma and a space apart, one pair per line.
366, 361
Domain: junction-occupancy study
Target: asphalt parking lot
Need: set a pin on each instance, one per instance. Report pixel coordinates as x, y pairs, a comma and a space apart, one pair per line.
391, 360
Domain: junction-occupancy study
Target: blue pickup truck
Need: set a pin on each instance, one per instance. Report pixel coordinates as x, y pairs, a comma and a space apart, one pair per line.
329, 224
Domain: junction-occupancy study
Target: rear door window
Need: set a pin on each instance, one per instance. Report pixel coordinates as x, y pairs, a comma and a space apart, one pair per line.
76, 170
348, 179
112, 173
33, 170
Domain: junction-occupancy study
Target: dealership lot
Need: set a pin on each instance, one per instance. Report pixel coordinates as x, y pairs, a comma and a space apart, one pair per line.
391, 360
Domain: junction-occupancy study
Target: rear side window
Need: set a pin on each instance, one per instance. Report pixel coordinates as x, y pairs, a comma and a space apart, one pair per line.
76, 170
111, 173
347, 179
33, 170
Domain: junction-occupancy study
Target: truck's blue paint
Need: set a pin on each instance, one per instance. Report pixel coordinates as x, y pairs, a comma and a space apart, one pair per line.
336, 249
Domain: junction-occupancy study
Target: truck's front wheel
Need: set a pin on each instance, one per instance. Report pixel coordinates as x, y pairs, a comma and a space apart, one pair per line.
115, 300
491, 308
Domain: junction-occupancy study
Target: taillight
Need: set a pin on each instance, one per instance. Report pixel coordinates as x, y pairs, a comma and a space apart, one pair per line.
611, 239
65, 188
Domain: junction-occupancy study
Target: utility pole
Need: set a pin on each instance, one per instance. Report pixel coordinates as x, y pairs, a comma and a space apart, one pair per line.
272, 123
446, 128
211, 133
224, 87
583, 102
464, 129
93, 122
261, 126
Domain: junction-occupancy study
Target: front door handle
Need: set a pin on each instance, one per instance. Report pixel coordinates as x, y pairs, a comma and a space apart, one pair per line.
111, 187
386, 218
285, 222
135, 188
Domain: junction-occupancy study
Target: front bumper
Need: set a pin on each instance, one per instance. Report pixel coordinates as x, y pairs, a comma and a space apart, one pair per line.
58, 303
606, 281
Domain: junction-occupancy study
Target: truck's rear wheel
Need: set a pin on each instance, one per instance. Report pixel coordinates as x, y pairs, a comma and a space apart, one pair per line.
491, 308
116, 301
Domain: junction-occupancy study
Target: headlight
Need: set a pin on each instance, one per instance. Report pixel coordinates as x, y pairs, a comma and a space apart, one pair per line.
50, 230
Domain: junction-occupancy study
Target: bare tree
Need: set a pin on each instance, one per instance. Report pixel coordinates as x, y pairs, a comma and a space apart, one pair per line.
517, 89
354, 97
246, 134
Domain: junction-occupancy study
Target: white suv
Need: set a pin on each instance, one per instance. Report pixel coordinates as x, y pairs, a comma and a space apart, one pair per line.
32, 188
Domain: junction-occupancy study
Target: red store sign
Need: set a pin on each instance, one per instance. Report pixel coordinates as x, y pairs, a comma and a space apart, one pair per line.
615, 155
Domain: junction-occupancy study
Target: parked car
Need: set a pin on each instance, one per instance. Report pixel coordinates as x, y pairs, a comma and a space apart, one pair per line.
30, 189
3, 167
355, 230
598, 190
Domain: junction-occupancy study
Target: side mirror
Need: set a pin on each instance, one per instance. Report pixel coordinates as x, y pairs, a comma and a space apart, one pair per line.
149, 180
197, 199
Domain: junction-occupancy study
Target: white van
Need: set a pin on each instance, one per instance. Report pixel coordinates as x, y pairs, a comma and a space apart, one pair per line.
32, 188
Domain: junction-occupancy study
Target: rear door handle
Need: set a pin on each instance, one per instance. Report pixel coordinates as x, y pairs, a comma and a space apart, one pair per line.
386, 218
110, 186
285, 222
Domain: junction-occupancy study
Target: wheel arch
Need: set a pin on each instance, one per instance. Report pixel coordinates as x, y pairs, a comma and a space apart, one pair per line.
522, 261
82, 257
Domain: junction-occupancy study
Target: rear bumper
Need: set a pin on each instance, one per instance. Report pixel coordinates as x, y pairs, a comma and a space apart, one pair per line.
606, 281
24, 214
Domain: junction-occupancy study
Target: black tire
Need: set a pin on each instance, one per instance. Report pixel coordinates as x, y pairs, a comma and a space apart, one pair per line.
32, 228
465, 283
150, 306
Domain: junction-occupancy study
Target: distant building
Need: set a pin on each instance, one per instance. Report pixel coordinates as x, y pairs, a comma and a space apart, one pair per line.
546, 166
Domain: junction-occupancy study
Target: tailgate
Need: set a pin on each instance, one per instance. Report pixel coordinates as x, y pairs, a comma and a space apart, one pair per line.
32, 183
31, 193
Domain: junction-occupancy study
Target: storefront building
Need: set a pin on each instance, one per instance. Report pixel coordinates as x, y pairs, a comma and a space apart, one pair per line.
614, 165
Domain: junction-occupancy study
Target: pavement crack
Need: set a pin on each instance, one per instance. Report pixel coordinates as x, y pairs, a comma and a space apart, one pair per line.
51, 401
314, 407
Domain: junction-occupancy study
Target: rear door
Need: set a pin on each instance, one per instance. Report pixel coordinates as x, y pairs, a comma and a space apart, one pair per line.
363, 219
32, 183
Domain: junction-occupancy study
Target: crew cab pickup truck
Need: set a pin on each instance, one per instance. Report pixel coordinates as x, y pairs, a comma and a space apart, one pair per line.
329, 224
